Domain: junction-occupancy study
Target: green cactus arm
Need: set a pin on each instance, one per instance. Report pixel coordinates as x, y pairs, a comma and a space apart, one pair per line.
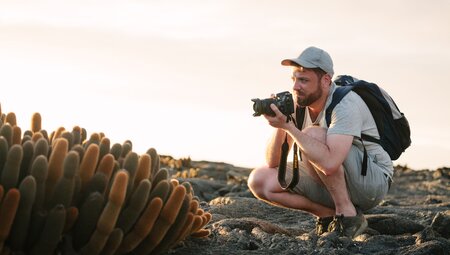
116, 150
41, 147
113, 243
64, 188
11, 169
105, 145
51, 233
39, 170
161, 190
69, 137
131, 164
163, 174
136, 205
175, 229
98, 183
6, 131
2, 191
76, 133
55, 166
155, 162
109, 216
20, 226
4, 148
165, 220
89, 213
25, 166
143, 227
106, 166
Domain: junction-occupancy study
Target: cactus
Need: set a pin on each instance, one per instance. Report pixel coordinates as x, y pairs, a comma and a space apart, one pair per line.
88, 164
7, 132
60, 206
8, 210
36, 122
52, 232
39, 170
109, 215
17, 135
64, 188
20, 227
143, 170
55, 166
11, 119
138, 201
4, 148
11, 169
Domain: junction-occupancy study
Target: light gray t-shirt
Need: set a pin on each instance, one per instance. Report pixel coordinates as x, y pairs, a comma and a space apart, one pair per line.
351, 116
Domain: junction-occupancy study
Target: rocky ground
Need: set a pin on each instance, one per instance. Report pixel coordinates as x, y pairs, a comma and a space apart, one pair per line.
414, 218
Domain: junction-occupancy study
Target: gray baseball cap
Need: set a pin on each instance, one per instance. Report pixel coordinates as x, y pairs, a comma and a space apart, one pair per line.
312, 57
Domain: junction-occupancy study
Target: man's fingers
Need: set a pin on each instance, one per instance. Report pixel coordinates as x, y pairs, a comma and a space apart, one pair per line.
275, 109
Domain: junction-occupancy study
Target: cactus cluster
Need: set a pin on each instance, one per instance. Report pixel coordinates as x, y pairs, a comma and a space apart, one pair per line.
65, 193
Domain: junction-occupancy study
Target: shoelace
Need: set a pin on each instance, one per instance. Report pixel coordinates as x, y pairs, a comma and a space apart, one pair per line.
336, 224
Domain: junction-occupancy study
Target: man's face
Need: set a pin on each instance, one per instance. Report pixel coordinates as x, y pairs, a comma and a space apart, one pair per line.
307, 87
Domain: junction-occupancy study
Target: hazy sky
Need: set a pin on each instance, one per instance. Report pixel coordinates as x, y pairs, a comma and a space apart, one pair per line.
179, 75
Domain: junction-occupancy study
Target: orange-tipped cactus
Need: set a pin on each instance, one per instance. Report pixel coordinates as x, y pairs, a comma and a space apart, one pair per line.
11, 169
71, 217
36, 122
106, 166
8, 210
109, 215
11, 119
55, 166
17, 135
165, 220
143, 170
88, 164
142, 227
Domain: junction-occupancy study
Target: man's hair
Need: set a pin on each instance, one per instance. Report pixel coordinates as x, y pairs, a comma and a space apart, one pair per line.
319, 72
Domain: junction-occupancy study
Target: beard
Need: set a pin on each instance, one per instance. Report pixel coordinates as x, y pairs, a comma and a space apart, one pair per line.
309, 99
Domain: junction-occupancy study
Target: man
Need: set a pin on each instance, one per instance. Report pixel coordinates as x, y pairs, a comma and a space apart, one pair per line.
330, 185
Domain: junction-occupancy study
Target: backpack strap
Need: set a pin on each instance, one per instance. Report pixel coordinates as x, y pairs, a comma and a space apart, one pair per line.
300, 116
338, 94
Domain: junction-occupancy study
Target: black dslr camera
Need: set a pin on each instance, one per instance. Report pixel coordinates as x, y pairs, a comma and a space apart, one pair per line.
283, 101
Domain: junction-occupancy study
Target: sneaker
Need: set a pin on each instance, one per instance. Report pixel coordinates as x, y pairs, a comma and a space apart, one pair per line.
349, 226
322, 224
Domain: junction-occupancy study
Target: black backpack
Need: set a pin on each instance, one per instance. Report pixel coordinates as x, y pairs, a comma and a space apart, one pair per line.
392, 125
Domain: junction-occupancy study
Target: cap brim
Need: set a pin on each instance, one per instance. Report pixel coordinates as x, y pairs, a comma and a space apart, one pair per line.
296, 62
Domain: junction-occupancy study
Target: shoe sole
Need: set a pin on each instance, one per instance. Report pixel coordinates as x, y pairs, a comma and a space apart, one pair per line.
361, 228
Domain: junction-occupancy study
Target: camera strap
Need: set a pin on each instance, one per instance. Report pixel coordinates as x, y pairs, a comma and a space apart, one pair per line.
300, 115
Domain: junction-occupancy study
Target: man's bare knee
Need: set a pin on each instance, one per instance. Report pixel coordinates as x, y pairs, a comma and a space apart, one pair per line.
258, 181
318, 133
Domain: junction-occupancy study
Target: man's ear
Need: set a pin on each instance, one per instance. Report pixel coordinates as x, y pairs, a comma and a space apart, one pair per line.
326, 80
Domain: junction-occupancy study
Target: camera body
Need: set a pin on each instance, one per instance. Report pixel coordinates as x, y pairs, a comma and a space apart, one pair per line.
282, 100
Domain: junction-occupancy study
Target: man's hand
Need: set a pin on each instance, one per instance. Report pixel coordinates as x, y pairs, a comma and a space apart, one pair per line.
279, 120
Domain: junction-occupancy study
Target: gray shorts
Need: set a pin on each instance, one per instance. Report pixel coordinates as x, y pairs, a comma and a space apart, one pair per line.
365, 191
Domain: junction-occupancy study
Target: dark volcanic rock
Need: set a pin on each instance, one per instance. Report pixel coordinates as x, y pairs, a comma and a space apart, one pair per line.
414, 218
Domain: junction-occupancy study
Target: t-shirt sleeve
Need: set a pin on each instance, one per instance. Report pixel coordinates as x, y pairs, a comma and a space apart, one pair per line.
346, 117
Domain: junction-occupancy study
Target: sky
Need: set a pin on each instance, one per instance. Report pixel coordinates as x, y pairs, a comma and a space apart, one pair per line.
179, 76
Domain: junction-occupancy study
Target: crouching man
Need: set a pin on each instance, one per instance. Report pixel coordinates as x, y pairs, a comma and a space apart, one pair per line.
331, 185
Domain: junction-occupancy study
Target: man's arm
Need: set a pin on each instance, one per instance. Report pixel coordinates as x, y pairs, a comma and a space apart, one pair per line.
325, 157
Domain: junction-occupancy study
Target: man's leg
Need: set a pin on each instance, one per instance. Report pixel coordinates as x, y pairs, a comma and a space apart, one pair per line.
335, 183
263, 183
